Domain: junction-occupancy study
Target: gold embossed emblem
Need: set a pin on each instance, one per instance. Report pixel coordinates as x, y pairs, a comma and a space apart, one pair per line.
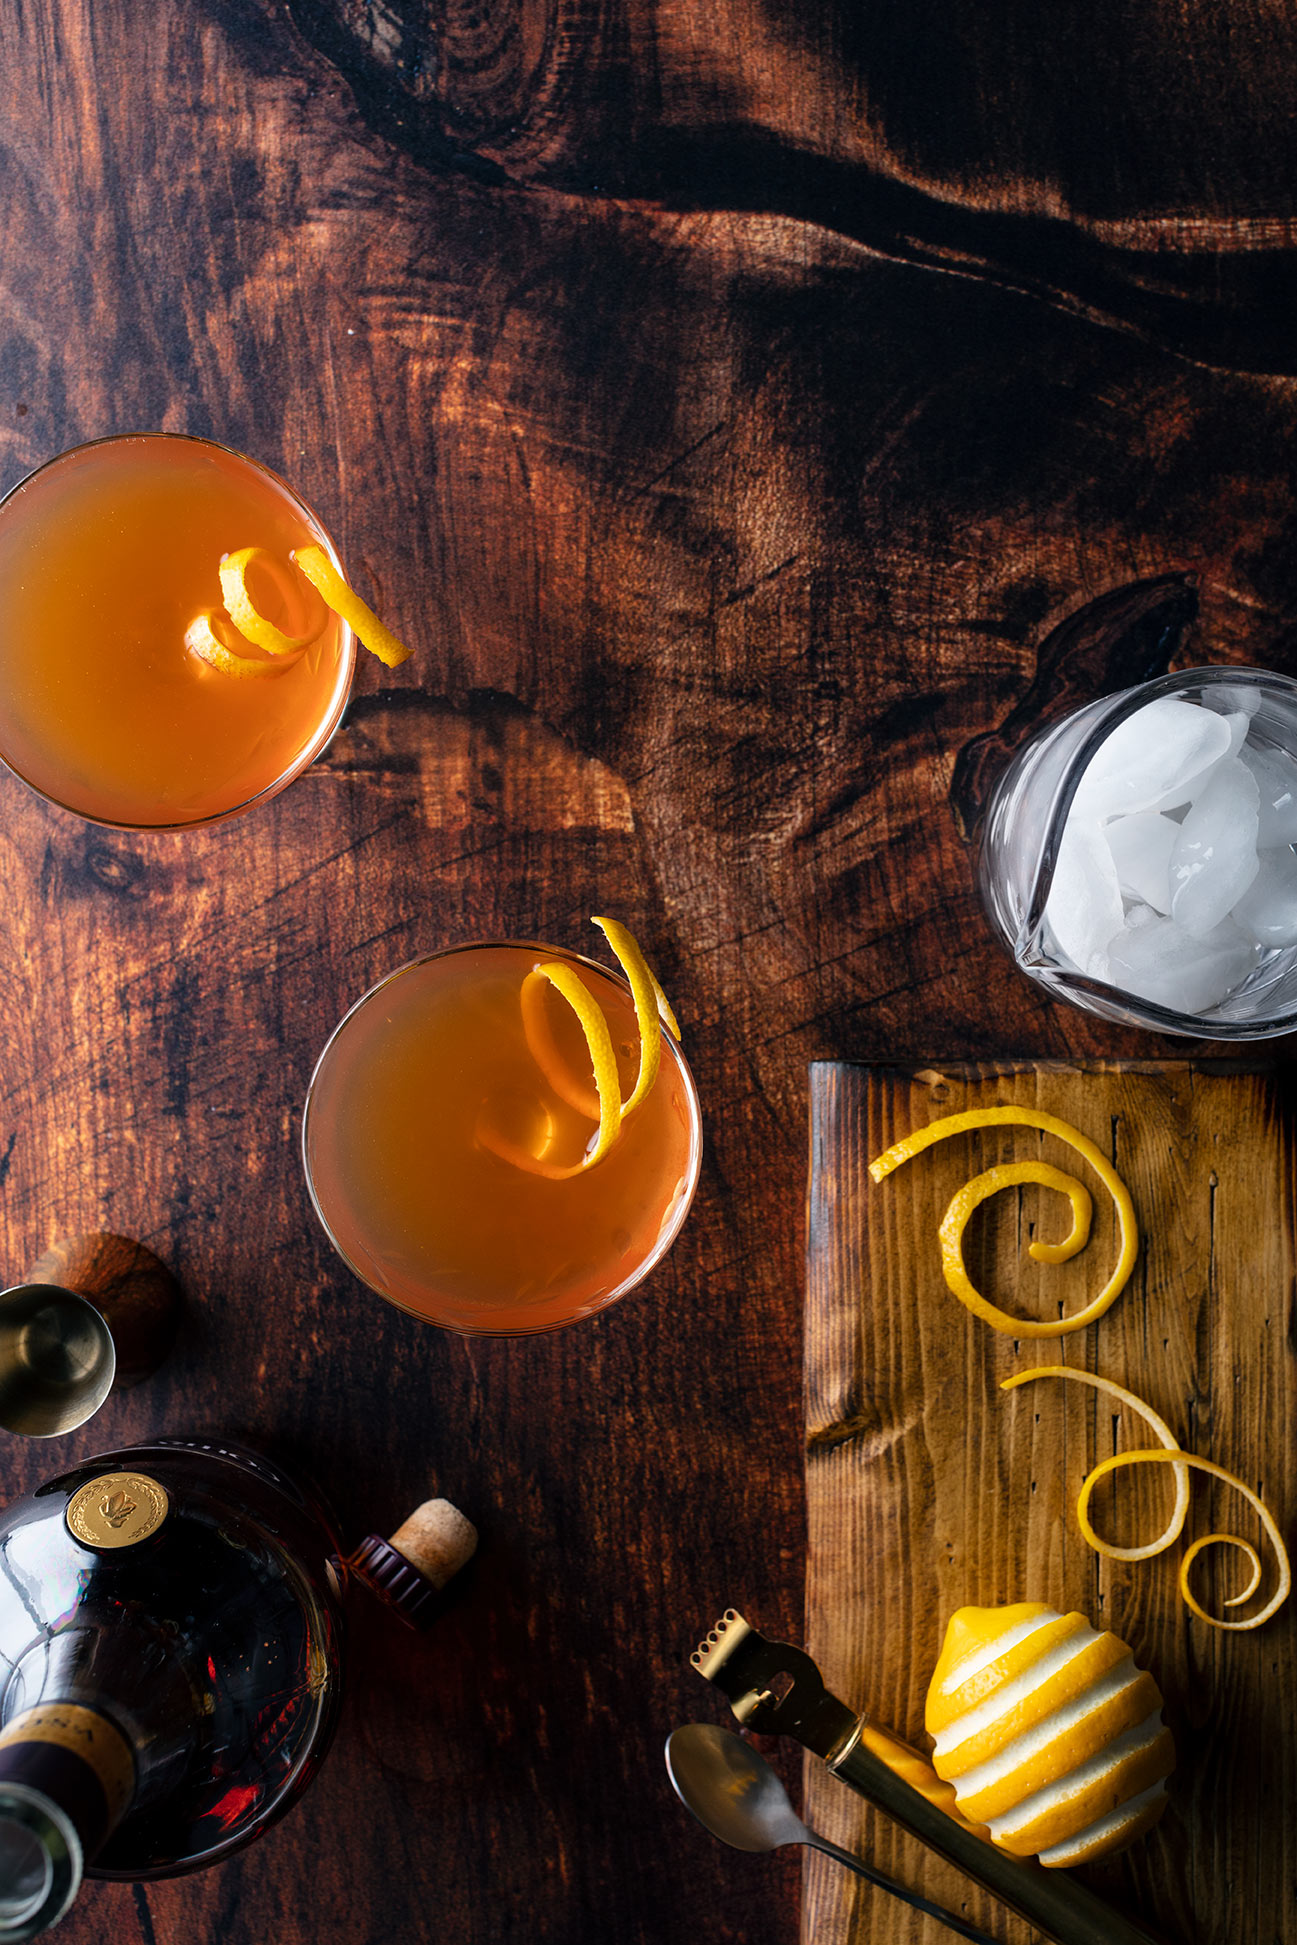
116, 1510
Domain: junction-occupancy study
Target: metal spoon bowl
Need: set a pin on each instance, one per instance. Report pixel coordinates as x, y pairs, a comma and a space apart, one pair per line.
736, 1795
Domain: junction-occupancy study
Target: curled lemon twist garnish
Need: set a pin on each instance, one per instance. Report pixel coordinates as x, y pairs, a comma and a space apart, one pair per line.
1171, 1453
242, 610
201, 637
337, 594
603, 1101
315, 567
1007, 1175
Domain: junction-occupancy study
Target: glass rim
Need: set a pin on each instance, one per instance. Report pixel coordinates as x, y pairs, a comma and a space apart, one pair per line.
329, 726
692, 1174
1114, 1002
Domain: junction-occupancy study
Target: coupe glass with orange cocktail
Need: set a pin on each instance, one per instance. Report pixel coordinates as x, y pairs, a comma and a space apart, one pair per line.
451, 1140
107, 555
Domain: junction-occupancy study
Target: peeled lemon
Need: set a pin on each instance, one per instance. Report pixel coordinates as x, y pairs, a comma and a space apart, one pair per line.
1048, 1733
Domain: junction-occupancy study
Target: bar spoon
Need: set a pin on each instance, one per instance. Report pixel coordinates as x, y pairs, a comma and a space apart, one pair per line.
736, 1795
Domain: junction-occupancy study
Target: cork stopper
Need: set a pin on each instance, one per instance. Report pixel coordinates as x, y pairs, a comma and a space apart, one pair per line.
409, 1571
437, 1540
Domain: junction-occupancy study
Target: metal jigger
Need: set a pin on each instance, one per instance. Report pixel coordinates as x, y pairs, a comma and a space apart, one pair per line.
96, 1311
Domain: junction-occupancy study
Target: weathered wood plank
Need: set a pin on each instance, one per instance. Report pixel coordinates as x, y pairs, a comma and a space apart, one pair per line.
929, 1489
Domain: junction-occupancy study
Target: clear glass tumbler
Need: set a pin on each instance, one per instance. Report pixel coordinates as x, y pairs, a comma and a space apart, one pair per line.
1022, 835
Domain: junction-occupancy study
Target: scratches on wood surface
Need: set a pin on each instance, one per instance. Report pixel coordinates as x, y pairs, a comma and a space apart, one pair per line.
717, 536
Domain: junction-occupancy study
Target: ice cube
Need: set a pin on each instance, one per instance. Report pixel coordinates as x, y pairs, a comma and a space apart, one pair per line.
1276, 775
1084, 908
1171, 967
1153, 760
1141, 849
1215, 855
1240, 696
1238, 723
1267, 911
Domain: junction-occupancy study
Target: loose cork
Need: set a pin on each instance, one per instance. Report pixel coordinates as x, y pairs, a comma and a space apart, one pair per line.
437, 1540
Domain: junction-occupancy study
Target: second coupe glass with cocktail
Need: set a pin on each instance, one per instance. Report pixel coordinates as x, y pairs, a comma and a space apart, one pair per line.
449, 1141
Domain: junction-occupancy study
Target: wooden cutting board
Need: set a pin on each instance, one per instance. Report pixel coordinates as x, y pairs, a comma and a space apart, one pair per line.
930, 1489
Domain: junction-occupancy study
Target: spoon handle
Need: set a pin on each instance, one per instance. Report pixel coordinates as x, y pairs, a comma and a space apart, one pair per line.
868, 1872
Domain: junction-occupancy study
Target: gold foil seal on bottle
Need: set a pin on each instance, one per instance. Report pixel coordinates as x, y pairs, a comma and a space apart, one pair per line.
116, 1510
86, 1734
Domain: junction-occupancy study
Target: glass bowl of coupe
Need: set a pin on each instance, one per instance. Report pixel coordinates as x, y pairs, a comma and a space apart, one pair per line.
127, 694
457, 1144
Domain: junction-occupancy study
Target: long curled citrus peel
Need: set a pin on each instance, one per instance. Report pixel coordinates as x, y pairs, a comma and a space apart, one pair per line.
202, 639
336, 593
243, 611
315, 567
1170, 1453
602, 1102
1008, 1175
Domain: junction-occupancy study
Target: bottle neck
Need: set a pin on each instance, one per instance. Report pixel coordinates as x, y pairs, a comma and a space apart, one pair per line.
66, 1777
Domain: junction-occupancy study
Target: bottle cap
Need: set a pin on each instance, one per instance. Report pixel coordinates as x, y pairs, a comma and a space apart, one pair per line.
409, 1571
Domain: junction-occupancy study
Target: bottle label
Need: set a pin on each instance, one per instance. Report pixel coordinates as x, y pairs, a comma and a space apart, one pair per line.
116, 1510
84, 1733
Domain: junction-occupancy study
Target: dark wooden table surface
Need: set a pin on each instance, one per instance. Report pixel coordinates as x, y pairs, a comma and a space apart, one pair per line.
724, 400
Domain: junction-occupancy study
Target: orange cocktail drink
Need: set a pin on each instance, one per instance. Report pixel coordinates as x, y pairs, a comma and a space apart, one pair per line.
447, 1167
107, 555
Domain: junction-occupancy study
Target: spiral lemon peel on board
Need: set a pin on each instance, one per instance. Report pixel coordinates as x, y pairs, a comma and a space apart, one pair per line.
1010, 1174
1171, 1453
603, 1101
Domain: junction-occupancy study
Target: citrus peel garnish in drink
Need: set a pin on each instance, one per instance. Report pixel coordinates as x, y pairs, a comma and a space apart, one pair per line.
242, 610
339, 595
201, 637
1171, 1453
1010, 1174
314, 565
603, 1102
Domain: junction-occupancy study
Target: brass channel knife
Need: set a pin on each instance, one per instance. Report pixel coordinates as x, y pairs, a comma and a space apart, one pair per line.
778, 1690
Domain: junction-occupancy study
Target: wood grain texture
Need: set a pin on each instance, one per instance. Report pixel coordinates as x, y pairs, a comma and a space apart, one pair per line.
929, 1489
1131, 163
718, 534
132, 1289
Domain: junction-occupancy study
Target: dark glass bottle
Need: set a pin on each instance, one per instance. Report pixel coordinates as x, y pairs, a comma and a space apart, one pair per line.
171, 1661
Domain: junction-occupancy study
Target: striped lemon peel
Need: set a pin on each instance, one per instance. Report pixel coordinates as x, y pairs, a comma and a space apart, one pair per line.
1172, 1453
602, 1102
1048, 1732
1011, 1174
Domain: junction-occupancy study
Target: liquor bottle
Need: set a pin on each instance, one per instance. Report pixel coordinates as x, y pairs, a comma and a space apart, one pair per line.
171, 1659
